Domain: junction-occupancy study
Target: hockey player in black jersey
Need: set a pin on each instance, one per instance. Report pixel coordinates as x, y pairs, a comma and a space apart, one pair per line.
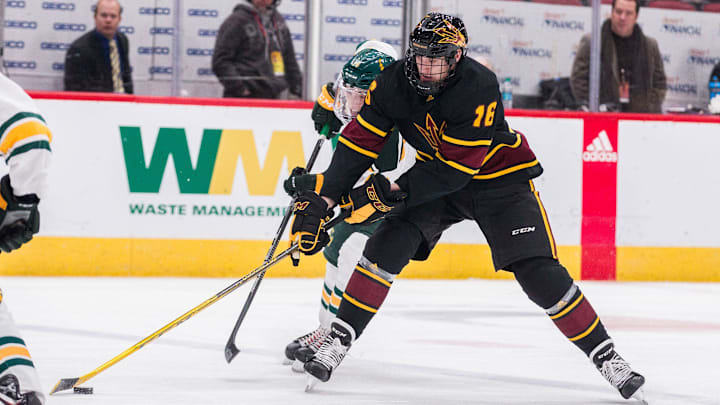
470, 166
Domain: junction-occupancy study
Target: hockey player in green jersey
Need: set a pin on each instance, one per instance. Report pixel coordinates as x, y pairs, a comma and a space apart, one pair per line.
336, 106
25, 146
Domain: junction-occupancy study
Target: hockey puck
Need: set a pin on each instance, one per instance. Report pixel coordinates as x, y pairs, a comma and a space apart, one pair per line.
83, 390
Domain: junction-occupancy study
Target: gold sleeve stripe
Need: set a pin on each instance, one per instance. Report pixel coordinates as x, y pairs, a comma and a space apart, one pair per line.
370, 127
568, 308
456, 165
359, 304
587, 332
319, 180
17, 117
9, 351
494, 150
23, 131
462, 142
356, 148
506, 171
373, 276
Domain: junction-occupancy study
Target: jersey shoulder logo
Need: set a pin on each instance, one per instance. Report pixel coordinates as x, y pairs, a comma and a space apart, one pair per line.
600, 149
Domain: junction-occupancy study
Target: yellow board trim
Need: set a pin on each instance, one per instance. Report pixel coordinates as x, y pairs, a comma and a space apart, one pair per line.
587, 332
356, 148
9, 351
505, 171
457, 166
462, 142
370, 127
23, 131
568, 308
359, 304
373, 276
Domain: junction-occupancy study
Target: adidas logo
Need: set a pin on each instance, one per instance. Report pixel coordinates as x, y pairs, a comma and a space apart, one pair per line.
600, 150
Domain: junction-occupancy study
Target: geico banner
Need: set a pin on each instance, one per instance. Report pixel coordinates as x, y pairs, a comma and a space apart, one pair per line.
171, 171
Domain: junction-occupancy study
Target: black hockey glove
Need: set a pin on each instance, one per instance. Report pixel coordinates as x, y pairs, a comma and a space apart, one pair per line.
311, 213
371, 201
19, 217
300, 181
322, 112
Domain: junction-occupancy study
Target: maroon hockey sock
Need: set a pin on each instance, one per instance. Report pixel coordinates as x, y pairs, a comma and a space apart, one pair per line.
364, 294
578, 321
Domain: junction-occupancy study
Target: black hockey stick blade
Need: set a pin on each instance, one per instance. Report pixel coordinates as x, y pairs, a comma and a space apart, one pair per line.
65, 384
231, 351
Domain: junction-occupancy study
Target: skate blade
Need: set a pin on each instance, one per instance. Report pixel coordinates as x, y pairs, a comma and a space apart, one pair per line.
311, 383
639, 396
298, 366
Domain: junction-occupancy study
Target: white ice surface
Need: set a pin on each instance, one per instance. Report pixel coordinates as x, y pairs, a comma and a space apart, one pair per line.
433, 342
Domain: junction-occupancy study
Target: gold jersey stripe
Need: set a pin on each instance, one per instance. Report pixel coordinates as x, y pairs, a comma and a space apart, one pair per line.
462, 142
498, 147
458, 166
11, 351
551, 238
505, 171
23, 131
356, 148
370, 127
359, 304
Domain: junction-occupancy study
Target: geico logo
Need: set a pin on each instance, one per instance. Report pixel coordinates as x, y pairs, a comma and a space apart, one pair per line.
392, 3
331, 57
163, 70
338, 19
15, 44
69, 27
597, 156
49, 5
20, 64
155, 10
353, 2
199, 12
58, 66
205, 72
28, 25
349, 38
128, 29
162, 30
199, 52
154, 50
15, 4
294, 17
481, 49
207, 33
392, 41
297, 37
385, 21
685, 88
54, 46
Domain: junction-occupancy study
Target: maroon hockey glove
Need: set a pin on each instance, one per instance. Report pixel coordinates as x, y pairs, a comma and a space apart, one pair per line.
308, 227
371, 201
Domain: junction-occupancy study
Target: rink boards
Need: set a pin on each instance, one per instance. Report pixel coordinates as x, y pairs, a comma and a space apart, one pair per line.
145, 186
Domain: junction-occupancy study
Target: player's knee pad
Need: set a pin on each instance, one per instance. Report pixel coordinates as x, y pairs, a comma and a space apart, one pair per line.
544, 280
393, 244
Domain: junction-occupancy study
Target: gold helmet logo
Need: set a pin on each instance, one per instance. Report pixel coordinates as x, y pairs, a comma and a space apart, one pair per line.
451, 35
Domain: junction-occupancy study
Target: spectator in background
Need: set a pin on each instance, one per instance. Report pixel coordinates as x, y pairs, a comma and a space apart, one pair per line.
98, 60
254, 55
632, 75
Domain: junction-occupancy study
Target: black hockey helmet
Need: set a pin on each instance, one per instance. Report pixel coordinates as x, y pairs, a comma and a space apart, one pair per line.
436, 36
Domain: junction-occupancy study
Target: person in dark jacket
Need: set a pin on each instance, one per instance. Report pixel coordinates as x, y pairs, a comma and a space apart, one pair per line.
254, 55
98, 60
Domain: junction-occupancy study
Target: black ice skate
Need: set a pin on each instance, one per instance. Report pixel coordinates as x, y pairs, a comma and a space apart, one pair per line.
330, 354
304, 354
618, 372
10, 392
303, 341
